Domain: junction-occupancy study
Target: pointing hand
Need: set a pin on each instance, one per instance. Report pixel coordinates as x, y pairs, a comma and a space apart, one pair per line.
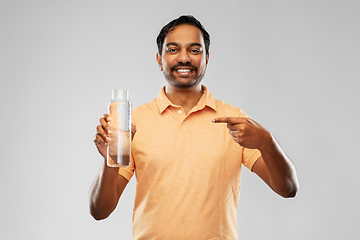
246, 132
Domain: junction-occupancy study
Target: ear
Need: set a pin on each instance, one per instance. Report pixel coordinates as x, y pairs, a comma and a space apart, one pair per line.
207, 59
158, 59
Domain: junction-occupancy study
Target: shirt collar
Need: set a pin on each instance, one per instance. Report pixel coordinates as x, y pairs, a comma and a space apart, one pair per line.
206, 99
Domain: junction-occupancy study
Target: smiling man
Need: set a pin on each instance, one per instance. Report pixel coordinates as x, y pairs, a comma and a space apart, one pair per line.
188, 150
182, 60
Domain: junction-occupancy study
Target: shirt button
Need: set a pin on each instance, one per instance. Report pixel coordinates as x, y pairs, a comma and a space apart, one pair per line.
184, 122
179, 112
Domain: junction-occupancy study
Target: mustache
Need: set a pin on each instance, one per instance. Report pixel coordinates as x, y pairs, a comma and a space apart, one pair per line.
183, 65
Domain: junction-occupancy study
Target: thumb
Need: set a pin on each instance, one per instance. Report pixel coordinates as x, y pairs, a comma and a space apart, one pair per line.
133, 130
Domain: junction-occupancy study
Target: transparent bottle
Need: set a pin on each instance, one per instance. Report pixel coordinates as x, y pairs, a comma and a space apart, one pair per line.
119, 147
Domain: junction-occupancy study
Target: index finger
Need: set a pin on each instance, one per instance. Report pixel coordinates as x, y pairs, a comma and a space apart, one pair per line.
107, 117
104, 123
229, 120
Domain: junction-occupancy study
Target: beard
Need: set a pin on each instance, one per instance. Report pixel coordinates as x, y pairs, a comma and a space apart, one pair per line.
188, 82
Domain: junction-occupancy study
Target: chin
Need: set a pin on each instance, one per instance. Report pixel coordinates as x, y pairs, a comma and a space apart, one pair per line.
184, 83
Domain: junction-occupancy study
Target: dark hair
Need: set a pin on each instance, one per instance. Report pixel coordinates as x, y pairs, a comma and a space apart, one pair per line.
185, 19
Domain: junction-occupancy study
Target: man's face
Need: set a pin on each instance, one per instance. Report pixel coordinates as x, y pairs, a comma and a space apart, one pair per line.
183, 58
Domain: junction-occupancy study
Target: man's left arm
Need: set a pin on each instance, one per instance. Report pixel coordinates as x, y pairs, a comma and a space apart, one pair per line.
273, 167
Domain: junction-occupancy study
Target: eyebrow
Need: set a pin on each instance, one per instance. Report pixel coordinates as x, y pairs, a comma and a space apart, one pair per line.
191, 45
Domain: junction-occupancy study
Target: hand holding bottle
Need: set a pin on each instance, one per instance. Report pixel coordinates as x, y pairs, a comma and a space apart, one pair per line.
105, 134
118, 150
102, 136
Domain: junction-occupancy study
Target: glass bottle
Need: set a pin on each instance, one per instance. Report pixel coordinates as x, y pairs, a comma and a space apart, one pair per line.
119, 147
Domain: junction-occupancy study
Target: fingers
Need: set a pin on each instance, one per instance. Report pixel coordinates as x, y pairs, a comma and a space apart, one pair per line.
133, 130
103, 130
104, 121
102, 135
236, 132
98, 139
235, 125
230, 120
232, 123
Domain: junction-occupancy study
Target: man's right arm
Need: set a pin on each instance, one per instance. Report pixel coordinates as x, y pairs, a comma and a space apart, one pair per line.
108, 185
105, 191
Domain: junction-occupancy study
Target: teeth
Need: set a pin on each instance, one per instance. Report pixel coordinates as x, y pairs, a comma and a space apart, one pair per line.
183, 70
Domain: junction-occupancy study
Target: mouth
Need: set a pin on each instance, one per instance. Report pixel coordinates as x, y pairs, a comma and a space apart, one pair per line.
184, 70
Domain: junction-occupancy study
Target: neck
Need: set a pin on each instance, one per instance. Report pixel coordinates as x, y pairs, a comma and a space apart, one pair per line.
187, 98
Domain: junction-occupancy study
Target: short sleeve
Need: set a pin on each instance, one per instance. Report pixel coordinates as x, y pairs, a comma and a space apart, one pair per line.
128, 172
250, 156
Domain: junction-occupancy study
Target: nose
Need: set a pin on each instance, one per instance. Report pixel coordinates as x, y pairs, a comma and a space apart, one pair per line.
184, 56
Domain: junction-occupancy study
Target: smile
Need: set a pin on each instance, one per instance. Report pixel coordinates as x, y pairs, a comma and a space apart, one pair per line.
184, 70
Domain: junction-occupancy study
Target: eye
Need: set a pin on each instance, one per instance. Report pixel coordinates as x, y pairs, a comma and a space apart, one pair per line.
171, 50
195, 51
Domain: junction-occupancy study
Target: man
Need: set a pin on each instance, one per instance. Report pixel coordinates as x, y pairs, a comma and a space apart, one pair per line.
187, 151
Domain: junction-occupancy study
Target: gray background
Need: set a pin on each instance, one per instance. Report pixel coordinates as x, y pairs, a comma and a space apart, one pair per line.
291, 65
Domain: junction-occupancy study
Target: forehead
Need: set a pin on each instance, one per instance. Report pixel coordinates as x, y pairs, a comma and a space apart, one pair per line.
184, 34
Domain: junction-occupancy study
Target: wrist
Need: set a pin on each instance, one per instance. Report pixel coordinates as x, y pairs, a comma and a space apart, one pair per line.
268, 143
109, 168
